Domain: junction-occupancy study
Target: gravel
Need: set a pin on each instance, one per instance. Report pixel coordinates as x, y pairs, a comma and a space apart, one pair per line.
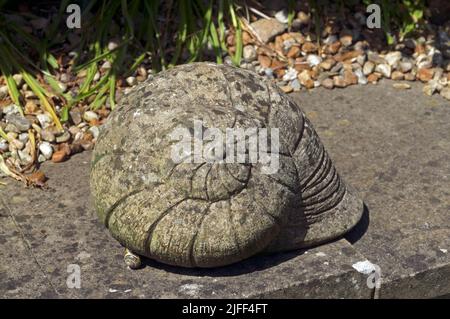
20, 122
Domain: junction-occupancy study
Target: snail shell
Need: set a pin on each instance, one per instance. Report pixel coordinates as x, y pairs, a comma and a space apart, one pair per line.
214, 213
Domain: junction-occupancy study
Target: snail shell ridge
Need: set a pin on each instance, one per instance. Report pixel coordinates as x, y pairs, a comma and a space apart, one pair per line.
214, 213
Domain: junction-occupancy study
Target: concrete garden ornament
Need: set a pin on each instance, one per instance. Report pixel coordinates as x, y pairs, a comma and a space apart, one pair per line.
163, 200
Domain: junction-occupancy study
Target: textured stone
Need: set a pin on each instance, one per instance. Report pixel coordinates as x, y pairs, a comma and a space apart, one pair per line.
406, 192
207, 214
405, 229
267, 29
20, 122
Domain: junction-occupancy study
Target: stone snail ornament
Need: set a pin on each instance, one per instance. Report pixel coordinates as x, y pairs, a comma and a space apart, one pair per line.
210, 211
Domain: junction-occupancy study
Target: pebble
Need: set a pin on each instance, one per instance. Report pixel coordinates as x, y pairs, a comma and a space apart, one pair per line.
30, 107
445, 93
401, 86
337, 67
268, 72
75, 115
37, 178
393, 58
264, 61
18, 78
425, 75
287, 44
429, 89
131, 80
64, 137
267, 29
59, 156
361, 77
11, 109
410, 77
406, 66
142, 72
425, 64
106, 65
3, 92
313, 60
295, 84
361, 59
25, 157
94, 130
293, 52
303, 18
375, 58
63, 87
333, 48
350, 78
368, 68
112, 45
304, 77
23, 137
46, 150
90, 116
47, 135
16, 145
11, 135
290, 75
19, 121
64, 78
29, 95
249, 53
384, 69
286, 88
282, 16
11, 128
44, 120
87, 145
309, 47
373, 78
346, 40
327, 64
339, 82
3, 145
327, 83
397, 76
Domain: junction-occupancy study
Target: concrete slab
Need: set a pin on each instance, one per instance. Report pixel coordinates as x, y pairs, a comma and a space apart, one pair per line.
60, 228
392, 146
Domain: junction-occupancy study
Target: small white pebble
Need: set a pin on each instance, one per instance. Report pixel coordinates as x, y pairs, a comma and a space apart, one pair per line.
89, 116
46, 150
131, 80
94, 131
364, 267
320, 254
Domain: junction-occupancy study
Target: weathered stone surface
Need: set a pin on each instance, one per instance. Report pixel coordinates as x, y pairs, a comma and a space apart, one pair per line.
208, 214
405, 229
42, 232
397, 154
267, 29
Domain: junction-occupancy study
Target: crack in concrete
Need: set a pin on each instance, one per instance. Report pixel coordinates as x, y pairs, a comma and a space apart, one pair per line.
26, 243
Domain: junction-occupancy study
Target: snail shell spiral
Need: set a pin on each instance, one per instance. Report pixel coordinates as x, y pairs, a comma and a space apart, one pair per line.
214, 213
